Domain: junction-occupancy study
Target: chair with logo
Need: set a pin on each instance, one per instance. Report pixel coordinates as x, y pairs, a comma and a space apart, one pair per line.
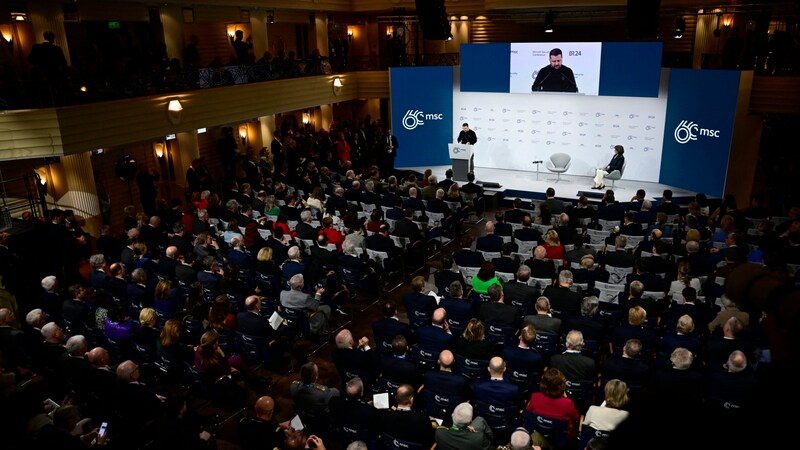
588, 433
391, 443
554, 430
471, 368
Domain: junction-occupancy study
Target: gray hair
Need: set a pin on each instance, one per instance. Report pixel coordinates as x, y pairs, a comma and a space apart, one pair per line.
232, 203
348, 247
294, 252
462, 415
565, 276
97, 261
574, 340
685, 324
296, 282
305, 216
357, 445
621, 241
523, 273
34, 317
49, 330
681, 358
202, 213
138, 275
49, 282
520, 440
77, 345
589, 305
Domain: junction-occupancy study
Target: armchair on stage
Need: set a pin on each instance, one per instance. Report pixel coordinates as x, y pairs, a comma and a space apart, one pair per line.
461, 157
558, 163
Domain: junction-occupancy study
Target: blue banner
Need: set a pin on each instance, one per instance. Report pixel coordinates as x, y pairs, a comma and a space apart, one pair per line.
701, 106
422, 114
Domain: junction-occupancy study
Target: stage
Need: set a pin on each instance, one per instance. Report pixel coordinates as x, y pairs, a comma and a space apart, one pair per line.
530, 185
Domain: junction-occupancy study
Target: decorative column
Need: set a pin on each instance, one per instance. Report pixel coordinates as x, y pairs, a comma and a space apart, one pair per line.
258, 30
172, 23
48, 16
267, 130
326, 112
80, 192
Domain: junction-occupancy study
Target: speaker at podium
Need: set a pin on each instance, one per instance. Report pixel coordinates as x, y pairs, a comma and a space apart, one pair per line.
461, 159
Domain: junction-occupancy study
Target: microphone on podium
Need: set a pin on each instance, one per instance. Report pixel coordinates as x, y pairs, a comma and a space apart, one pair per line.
536, 162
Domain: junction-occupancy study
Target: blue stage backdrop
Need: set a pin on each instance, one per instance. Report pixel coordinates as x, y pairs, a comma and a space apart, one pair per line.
422, 114
701, 106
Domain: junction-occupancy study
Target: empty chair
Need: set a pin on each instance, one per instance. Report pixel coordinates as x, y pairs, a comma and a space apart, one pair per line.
558, 163
615, 175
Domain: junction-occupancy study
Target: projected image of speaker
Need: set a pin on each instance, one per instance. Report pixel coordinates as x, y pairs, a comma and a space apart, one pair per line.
433, 20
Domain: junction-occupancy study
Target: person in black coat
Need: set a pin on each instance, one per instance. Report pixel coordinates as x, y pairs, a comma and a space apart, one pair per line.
419, 305
396, 367
628, 366
384, 330
351, 411
405, 424
443, 382
261, 431
616, 163
489, 242
563, 301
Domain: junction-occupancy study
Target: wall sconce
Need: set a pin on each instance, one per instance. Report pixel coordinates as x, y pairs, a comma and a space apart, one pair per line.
337, 86
389, 30
727, 20
349, 34
158, 147
19, 16
231, 29
549, 18
174, 111
306, 118
243, 134
680, 27
7, 32
271, 17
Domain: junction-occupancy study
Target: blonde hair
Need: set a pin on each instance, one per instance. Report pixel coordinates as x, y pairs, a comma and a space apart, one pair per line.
616, 393
147, 317
475, 331
163, 289
552, 238
171, 333
637, 316
265, 254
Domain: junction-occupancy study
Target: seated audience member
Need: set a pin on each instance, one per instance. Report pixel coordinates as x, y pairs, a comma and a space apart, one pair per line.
466, 433
611, 412
551, 401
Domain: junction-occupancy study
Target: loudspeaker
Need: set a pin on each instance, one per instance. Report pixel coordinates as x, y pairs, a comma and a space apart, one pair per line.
433, 20
643, 19
490, 184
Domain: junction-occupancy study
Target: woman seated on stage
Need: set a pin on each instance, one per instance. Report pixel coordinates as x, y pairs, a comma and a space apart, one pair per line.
616, 164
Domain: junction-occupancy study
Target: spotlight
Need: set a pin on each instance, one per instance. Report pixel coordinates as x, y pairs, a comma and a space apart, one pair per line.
680, 27
548, 22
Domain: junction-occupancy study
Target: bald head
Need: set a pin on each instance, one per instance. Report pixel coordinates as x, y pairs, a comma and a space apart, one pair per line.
539, 252
439, 316
446, 359
489, 227
344, 339
127, 371
265, 407
98, 357
172, 252
496, 367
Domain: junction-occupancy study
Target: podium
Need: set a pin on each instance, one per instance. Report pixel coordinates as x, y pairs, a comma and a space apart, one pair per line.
460, 157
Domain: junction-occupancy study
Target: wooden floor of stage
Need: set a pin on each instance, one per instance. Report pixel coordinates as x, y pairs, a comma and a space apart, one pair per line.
566, 187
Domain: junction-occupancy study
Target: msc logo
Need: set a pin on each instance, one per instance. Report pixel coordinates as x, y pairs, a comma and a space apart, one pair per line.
413, 119
688, 131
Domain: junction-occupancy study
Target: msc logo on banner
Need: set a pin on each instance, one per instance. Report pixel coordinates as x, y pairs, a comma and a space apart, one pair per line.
412, 119
688, 131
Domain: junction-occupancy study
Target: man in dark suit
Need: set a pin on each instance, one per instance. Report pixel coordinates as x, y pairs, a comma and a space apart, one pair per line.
628, 366
496, 394
501, 228
251, 322
540, 268
261, 430
443, 382
396, 367
98, 278
75, 310
414, 201
497, 312
384, 330
581, 211
354, 360
459, 309
587, 322
419, 305
237, 254
139, 292
572, 363
556, 206
448, 180
435, 337
618, 256
407, 228
563, 301
515, 214
381, 242
166, 265
543, 320
519, 293
322, 259
505, 263
489, 242
566, 233
280, 245
666, 205
405, 424
304, 228
629, 225
466, 257
352, 412
527, 232
524, 359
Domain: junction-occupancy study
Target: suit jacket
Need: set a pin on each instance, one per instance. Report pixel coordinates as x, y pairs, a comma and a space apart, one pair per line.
528, 234
556, 206
407, 228
499, 314
505, 264
479, 437
306, 231
254, 324
239, 258
566, 234
407, 426
521, 294
591, 328
514, 215
523, 359
381, 243
563, 300
497, 392
575, 366
386, 329
399, 370
629, 370
468, 258
354, 414
353, 361
616, 163
541, 268
617, 258
166, 267
543, 322
489, 243
419, 307
434, 339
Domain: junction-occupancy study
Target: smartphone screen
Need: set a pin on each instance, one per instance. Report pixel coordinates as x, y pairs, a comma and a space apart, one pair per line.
103, 427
